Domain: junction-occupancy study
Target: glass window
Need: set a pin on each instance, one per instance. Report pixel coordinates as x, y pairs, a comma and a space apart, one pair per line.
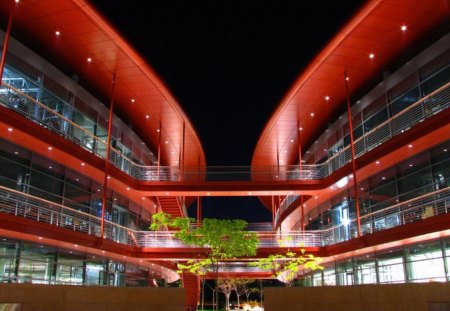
365, 271
70, 268
425, 262
390, 266
404, 101
344, 273
8, 252
329, 276
376, 119
36, 264
415, 184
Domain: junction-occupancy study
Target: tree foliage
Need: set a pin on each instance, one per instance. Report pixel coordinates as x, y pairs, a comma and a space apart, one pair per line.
286, 266
226, 239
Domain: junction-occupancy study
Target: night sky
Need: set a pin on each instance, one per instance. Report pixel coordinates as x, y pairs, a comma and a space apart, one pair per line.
228, 63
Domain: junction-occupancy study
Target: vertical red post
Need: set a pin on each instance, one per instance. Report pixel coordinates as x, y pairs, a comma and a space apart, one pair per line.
302, 208
108, 151
352, 145
159, 149
273, 213
6, 39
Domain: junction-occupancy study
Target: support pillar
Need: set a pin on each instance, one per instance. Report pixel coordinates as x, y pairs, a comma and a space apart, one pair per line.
108, 151
352, 145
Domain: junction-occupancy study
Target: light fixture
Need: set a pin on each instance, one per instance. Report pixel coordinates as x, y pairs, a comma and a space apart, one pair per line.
300, 128
57, 33
128, 188
83, 164
147, 117
89, 59
404, 28
10, 129
327, 98
312, 114
341, 183
371, 56
377, 162
166, 141
133, 100
50, 148
410, 146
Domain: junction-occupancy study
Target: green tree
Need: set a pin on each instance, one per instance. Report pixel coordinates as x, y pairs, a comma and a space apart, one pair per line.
226, 239
285, 266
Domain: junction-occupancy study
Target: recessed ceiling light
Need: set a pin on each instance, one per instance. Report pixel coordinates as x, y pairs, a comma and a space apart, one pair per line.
50, 148
371, 56
147, 117
445, 150
410, 146
10, 129
312, 114
128, 188
50, 167
57, 32
292, 140
300, 128
404, 28
83, 164
89, 59
377, 162
346, 79
133, 100
166, 141
16, 152
410, 165
327, 98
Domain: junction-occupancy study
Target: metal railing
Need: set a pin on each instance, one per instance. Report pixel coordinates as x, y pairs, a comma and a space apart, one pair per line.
39, 113
20, 204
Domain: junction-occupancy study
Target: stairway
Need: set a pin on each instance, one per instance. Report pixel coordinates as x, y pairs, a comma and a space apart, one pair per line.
170, 205
191, 284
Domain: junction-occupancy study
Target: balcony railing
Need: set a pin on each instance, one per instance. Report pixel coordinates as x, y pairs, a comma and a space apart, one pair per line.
20, 204
39, 113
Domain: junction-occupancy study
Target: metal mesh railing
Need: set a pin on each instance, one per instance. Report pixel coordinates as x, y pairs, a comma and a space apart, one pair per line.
39, 113
19, 204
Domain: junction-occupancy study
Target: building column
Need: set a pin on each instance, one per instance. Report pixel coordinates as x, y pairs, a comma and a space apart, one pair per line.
352, 145
108, 151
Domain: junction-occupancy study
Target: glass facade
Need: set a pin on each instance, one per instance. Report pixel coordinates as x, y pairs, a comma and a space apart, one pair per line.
33, 174
418, 175
424, 262
22, 262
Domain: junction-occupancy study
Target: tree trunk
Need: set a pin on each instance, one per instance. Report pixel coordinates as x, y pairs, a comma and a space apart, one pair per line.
227, 302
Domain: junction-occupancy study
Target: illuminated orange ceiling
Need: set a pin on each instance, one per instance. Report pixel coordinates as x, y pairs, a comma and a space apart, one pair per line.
376, 29
84, 34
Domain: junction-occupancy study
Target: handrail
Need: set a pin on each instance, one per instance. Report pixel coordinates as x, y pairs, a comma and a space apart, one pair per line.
369, 140
31, 207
